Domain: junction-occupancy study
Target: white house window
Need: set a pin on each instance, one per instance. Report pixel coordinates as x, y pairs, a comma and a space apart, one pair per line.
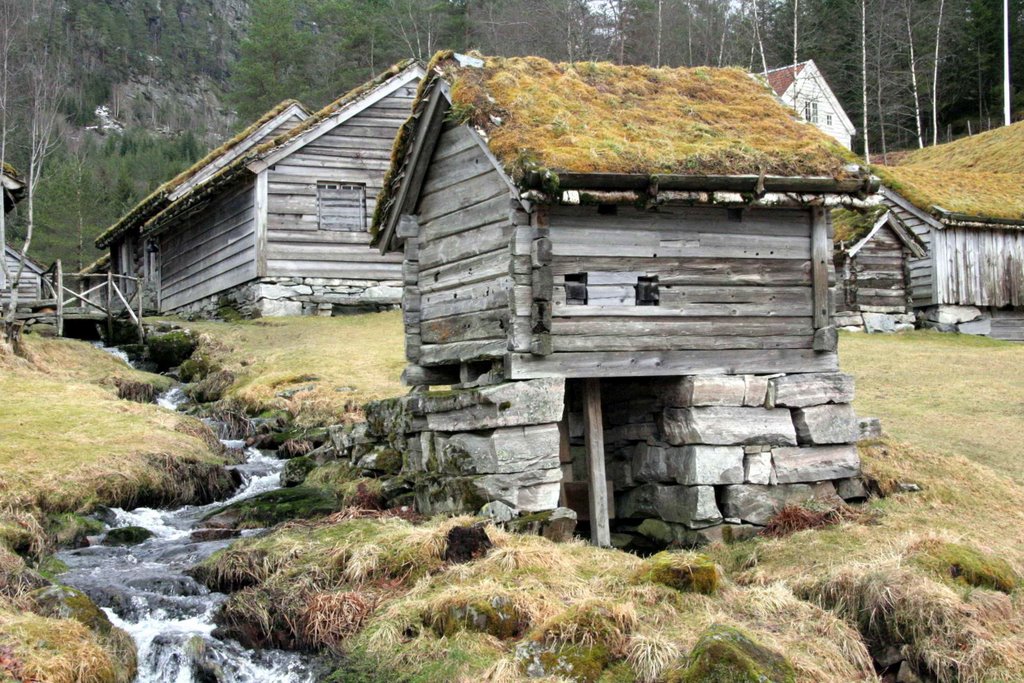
828, 119
811, 111
341, 206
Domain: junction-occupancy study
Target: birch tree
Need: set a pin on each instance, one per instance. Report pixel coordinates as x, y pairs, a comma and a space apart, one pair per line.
935, 76
864, 74
913, 74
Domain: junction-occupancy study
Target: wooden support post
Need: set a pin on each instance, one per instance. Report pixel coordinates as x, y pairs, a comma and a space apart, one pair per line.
142, 330
821, 252
110, 307
58, 277
600, 533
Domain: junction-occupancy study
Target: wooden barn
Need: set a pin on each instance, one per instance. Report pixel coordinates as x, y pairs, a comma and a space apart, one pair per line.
873, 250
282, 228
965, 201
626, 274
130, 254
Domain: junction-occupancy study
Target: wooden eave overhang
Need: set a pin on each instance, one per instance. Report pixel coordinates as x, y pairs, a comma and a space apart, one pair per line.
859, 185
962, 220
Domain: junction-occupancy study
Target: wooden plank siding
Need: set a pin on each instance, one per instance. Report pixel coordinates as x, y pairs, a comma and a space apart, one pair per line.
29, 287
735, 295
209, 251
922, 270
357, 151
463, 280
977, 267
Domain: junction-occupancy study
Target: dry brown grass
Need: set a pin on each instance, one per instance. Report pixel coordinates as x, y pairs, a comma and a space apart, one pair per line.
599, 117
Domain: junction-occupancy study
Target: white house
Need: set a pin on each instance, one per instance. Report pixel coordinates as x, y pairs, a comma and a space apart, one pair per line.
803, 87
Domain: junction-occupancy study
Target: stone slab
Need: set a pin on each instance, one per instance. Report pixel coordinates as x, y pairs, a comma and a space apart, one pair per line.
727, 426
502, 451
709, 465
757, 504
815, 463
757, 468
694, 506
809, 389
509, 404
826, 424
707, 390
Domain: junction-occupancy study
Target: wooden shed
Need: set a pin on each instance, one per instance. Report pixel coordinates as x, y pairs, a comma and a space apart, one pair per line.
872, 258
625, 272
965, 202
284, 229
29, 285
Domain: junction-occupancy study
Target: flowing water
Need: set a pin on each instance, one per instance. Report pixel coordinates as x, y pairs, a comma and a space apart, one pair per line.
145, 590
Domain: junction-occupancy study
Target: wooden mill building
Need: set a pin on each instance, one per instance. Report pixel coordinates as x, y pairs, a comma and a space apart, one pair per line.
278, 223
965, 202
29, 284
626, 272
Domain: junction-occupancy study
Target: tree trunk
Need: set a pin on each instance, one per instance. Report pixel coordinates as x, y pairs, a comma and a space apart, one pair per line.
913, 79
935, 76
864, 74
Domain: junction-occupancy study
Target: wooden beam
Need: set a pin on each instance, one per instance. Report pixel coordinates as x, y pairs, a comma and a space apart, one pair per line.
600, 533
821, 251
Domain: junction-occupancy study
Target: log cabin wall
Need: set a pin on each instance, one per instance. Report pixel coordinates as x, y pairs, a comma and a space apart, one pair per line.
209, 251
718, 289
29, 287
878, 278
355, 152
922, 270
459, 307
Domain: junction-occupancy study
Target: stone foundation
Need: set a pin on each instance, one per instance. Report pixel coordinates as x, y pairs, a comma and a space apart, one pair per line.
874, 322
276, 297
688, 459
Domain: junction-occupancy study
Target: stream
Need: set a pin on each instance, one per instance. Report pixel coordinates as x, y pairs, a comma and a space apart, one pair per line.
145, 591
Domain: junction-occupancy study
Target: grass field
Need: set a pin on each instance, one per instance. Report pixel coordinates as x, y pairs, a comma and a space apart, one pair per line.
944, 393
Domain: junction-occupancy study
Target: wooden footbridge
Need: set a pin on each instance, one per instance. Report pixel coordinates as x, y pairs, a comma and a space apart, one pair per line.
98, 297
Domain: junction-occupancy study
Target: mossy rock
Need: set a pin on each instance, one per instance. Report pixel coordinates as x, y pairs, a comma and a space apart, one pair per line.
195, 368
127, 535
212, 387
171, 349
724, 654
496, 617
70, 530
274, 507
685, 572
969, 566
229, 313
64, 602
296, 470
575, 662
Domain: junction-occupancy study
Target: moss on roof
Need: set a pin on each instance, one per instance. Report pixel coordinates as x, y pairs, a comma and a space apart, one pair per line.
851, 226
600, 117
100, 265
158, 198
235, 168
10, 171
981, 175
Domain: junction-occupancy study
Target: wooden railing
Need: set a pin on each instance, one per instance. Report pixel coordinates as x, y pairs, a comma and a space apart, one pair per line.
100, 292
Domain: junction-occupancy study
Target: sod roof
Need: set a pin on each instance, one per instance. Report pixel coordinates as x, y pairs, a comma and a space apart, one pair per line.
239, 166
598, 117
10, 171
160, 197
980, 176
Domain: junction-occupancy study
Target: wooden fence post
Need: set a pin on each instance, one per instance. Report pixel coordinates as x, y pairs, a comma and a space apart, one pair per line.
58, 286
110, 307
600, 533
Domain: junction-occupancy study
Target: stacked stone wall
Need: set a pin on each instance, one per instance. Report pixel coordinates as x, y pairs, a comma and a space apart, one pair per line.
276, 297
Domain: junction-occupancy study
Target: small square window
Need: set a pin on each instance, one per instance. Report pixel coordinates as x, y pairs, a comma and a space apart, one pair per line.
341, 206
647, 291
576, 289
828, 119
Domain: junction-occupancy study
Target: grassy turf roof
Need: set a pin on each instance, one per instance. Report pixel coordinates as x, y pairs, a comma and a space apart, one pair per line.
980, 175
10, 171
237, 167
599, 117
159, 198
851, 226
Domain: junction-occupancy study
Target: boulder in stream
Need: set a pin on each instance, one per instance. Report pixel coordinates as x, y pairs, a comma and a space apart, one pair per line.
127, 535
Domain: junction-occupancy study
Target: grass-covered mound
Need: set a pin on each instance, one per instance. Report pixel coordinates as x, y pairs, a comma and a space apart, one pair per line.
318, 370
379, 590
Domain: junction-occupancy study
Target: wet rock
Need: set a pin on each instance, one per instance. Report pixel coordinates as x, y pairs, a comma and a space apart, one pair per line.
212, 534
466, 543
274, 507
127, 535
724, 653
64, 602
497, 511
296, 470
